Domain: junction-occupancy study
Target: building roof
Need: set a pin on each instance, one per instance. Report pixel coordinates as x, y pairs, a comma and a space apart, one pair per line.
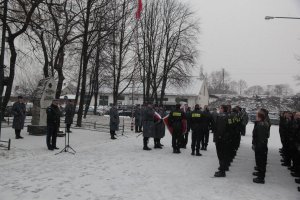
192, 88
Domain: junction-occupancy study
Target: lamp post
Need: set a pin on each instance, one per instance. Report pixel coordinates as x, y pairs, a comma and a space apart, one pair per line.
271, 17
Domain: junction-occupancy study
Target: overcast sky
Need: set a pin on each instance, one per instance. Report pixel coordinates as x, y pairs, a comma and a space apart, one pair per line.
235, 36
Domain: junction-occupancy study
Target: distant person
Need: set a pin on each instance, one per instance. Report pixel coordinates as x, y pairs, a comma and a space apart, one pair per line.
245, 120
114, 121
207, 123
19, 113
186, 135
53, 123
69, 115
176, 118
260, 146
148, 125
138, 119
160, 128
196, 126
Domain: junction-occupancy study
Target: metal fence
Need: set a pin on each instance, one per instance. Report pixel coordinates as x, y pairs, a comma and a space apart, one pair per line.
94, 126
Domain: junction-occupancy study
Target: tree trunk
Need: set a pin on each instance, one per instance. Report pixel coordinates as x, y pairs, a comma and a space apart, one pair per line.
60, 74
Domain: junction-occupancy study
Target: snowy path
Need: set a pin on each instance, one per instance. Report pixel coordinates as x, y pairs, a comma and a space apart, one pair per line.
104, 169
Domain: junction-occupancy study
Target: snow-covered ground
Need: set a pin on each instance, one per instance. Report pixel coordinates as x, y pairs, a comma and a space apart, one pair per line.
103, 169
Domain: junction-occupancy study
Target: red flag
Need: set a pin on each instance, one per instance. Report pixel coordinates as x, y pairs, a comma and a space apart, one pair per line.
139, 10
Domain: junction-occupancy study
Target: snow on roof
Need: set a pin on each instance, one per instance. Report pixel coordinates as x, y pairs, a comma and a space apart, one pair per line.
70, 96
192, 88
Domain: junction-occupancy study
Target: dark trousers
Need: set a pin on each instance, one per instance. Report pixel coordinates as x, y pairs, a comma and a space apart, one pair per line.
145, 141
261, 154
205, 138
185, 139
68, 127
196, 139
51, 136
112, 133
222, 156
138, 128
176, 139
18, 133
243, 130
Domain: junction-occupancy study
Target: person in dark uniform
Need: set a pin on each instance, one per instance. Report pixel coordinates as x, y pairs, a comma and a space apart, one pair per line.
207, 123
260, 146
148, 125
114, 121
53, 123
244, 121
159, 128
175, 120
221, 139
197, 130
19, 113
297, 145
138, 119
185, 137
69, 115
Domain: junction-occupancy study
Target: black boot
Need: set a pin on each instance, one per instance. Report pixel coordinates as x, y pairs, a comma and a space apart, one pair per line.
205, 148
259, 180
297, 180
146, 148
157, 144
202, 148
219, 174
295, 174
113, 137
198, 153
193, 152
298, 189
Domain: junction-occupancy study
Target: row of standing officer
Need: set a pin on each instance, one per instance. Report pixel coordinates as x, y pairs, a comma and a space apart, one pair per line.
289, 130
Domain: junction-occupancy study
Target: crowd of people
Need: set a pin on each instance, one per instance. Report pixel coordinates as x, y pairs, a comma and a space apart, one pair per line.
227, 125
289, 130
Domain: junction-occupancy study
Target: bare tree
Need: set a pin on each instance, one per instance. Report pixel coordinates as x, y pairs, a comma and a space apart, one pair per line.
242, 85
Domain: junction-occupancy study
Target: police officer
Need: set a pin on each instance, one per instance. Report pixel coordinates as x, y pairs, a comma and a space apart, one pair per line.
207, 123
176, 118
185, 137
159, 127
53, 123
221, 137
148, 125
197, 130
260, 146
114, 121
244, 121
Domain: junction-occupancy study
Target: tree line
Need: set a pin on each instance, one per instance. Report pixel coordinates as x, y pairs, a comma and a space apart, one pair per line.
99, 43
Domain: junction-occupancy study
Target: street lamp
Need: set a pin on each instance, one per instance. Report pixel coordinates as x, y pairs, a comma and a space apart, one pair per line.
271, 17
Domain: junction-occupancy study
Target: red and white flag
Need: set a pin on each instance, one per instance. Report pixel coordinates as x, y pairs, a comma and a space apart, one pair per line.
139, 10
157, 116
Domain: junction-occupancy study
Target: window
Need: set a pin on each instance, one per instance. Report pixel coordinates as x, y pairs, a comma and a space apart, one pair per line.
134, 98
103, 101
121, 98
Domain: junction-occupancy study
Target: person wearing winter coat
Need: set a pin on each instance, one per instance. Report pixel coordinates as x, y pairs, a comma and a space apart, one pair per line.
244, 121
176, 118
114, 121
260, 146
69, 115
53, 123
197, 122
148, 125
19, 113
160, 128
138, 119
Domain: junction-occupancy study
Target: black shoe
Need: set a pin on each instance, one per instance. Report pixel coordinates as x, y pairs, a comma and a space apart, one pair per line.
193, 153
198, 154
205, 148
20, 137
294, 174
113, 138
286, 164
174, 150
255, 173
297, 180
161, 144
157, 146
55, 148
51, 148
178, 151
146, 148
202, 148
220, 174
259, 180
